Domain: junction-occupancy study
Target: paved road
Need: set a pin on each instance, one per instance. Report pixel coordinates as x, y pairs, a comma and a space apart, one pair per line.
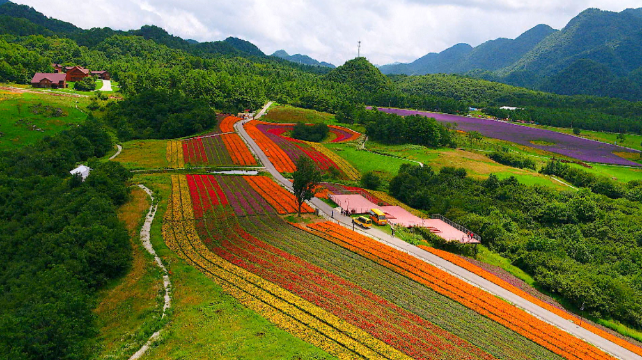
447, 266
106, 86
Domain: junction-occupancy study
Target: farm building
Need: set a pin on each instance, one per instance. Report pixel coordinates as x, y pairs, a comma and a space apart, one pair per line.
77, 73
49, 80
82, 170
104, 75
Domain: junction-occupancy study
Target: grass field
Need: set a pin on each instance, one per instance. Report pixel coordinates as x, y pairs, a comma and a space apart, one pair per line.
143, 154
477, 164
129, 310
365, 161
205, 322
29, 117
620, 173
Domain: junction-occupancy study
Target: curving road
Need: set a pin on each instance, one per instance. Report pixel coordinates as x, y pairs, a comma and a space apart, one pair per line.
535, 310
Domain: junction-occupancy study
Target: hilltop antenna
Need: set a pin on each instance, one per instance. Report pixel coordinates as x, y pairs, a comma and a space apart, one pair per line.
359, 49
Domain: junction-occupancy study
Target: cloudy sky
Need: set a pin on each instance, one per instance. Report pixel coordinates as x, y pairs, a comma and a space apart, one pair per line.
328, 30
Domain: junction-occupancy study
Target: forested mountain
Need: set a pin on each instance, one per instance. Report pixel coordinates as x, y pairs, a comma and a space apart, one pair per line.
551, 60
301, 59
22, 20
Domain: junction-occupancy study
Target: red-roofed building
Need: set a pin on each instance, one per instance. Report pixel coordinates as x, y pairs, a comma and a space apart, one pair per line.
77, 73
104, 75
58, 68
49, 80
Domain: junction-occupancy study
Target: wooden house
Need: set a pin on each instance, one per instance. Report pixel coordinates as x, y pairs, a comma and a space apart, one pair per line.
103, 75
49, 80
77, 73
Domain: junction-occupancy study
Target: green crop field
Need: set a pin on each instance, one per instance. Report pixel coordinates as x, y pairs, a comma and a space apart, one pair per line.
29, 117
366, 161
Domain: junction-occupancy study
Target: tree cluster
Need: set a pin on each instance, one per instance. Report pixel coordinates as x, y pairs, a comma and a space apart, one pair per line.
513, 159
60, 240
314, 133
394, 129
583, 246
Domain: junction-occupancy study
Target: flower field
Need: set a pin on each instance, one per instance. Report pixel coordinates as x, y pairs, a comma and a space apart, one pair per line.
174, 155
226, 125
572, 146
343, 134
473, 298
281, 161
282, 200
286, 310
331, 296
556, 310
219, 150
285, 151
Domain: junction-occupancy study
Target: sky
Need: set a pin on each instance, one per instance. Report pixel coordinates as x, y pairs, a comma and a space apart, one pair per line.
329, 30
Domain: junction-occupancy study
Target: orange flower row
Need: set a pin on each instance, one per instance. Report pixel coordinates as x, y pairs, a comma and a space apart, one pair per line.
277, 156
281, 200
237, 149
521, 293
227, 125
480, 301
355, 135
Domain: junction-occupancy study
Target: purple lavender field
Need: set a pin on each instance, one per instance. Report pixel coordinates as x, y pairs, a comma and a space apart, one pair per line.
575, 147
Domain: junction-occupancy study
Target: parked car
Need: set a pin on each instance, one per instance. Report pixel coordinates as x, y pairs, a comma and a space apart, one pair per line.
362, 221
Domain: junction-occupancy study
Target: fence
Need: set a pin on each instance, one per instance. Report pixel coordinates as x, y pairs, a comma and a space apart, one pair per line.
455, 225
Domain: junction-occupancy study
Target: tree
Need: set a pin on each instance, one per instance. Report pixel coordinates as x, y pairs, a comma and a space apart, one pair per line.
576, 131
370, 180
306, 177
86, 84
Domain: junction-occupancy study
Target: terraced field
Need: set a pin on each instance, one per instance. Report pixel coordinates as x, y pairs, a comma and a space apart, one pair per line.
340, 291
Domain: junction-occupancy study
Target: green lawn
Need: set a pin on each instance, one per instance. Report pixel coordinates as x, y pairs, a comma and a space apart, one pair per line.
28, 117
365, 161
620, 173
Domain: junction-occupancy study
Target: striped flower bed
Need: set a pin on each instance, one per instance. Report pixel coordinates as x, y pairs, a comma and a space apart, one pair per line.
481, 302
353, 304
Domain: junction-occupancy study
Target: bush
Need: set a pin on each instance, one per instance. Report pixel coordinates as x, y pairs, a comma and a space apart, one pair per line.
314, 133
86, 84
512, 159
371, 181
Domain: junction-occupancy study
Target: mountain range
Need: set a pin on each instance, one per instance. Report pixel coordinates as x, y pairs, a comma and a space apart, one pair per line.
597, 53
301, 59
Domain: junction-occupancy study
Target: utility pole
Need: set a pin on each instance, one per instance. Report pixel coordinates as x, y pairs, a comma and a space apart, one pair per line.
359, 49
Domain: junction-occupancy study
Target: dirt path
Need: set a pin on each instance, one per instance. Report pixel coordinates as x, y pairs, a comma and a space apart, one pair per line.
120, 148
145, 239
463, 274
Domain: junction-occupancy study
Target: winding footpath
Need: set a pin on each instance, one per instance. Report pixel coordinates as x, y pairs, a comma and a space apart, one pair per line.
537, 311
120, 148
145, 239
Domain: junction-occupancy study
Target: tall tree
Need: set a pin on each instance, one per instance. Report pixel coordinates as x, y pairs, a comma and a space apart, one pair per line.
306, 177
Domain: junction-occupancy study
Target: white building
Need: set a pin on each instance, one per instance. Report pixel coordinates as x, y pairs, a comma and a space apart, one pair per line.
82, 170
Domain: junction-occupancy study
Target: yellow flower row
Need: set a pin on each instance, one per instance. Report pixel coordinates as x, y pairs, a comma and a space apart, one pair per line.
288, 311
346, 167
175, 154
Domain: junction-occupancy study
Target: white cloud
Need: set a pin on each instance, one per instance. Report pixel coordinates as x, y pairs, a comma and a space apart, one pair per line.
328, 30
